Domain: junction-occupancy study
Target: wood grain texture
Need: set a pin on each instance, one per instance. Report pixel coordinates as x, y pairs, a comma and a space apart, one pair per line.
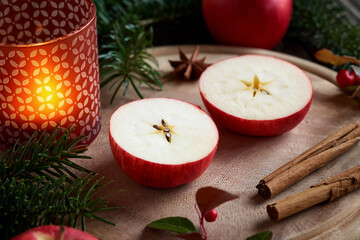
239, 164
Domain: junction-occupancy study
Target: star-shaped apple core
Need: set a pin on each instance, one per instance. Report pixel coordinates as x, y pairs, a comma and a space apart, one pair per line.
165, 129
256, 86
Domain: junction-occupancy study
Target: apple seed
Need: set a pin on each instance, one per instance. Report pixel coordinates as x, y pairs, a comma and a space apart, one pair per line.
168, 137
163, 122
166, 130
157, 127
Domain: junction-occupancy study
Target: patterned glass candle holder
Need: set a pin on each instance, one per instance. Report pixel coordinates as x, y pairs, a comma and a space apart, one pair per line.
49, 72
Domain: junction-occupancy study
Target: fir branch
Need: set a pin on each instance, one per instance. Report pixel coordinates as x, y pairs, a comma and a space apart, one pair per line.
39, 184
28, 203
47, 155
126, 60
324, 24
125, 28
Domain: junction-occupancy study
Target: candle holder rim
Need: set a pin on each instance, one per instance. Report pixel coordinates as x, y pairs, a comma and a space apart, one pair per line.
58, 39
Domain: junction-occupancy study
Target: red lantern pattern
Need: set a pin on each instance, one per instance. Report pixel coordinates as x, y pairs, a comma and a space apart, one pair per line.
49, 72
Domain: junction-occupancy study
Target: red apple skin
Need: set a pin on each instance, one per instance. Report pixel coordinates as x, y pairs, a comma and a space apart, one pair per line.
159, 175
250, 23
55, 231
256, 127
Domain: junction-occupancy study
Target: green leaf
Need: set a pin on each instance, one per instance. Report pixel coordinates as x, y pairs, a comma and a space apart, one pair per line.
173, 224
266, 235
208, 198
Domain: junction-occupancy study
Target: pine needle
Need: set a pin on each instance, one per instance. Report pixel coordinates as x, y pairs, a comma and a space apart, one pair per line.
39, 184
126, 60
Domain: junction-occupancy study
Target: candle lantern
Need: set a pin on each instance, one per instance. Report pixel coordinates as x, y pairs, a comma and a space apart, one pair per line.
49, 72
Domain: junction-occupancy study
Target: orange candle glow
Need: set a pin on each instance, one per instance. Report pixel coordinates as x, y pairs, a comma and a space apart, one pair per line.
49, 72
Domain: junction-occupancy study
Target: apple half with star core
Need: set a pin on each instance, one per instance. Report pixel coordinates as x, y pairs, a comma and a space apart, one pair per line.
162, 142
256, 95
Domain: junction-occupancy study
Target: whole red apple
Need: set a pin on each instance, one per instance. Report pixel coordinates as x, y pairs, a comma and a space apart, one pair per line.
54, 232
250, 23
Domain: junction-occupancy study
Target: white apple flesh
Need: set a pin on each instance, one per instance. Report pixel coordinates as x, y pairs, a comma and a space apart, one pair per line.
256, 95
162, 142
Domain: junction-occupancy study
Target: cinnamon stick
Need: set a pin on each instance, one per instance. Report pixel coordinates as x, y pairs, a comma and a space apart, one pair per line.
307, 162
327, 190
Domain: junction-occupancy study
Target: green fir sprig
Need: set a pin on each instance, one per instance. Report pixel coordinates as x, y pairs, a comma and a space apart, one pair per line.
324, 24
125, 32
126, 61
46, 155
39, 185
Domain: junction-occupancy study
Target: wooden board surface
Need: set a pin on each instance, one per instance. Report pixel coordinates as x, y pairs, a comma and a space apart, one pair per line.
240, 162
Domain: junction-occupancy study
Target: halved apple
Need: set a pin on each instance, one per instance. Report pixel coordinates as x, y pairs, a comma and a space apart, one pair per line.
162, 142
256, 95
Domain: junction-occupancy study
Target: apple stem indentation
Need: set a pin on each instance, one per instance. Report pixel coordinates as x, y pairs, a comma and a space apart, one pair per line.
165, 129
62, 232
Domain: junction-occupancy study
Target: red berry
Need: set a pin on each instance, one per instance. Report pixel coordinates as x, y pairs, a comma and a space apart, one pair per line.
211, 216
345, 78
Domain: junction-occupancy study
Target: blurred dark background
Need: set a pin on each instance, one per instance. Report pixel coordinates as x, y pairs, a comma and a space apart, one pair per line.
191, 29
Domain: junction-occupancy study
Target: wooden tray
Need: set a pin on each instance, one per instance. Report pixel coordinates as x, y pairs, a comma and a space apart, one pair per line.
240, 162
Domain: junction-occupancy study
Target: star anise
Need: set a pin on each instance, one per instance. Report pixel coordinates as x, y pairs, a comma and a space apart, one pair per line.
189, 68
